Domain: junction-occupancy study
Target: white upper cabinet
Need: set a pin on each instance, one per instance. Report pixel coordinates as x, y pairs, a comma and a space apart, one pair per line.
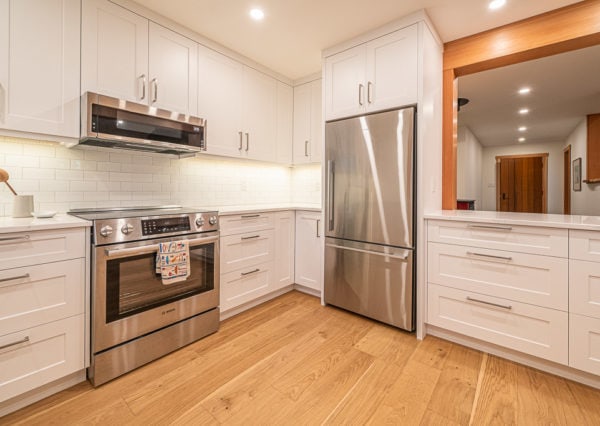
260, 115
127, 57
308, 123
285, 117
39, 66
377, 75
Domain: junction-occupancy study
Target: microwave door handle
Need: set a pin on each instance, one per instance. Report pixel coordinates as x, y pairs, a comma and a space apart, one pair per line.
151, 248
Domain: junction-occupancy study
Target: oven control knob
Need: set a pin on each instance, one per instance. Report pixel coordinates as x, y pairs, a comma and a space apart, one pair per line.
106, 230
212, 220
199, 222
127, 228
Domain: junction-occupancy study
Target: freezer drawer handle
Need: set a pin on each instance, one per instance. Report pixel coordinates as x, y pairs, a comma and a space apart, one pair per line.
508, 307
250, 238
23, 340
23, 237
502, 228
3, 280
377, 253
470, 253
250, 272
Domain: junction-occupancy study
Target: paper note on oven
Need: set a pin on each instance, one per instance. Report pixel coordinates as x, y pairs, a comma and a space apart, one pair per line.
173, 261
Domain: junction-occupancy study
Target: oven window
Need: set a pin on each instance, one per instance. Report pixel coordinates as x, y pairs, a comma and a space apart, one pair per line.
133, 286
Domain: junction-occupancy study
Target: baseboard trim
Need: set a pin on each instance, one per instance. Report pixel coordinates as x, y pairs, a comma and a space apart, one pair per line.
307, 290
239, 309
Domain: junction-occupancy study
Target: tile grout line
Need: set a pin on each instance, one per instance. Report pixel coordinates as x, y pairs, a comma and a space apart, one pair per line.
478, 389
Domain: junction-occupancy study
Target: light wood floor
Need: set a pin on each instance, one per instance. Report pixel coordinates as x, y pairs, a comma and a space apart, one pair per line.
292, 361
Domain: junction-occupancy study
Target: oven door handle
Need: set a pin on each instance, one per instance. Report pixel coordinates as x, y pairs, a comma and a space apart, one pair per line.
134, 251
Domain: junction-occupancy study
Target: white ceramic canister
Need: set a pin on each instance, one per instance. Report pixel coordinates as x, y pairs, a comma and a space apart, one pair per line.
23, 206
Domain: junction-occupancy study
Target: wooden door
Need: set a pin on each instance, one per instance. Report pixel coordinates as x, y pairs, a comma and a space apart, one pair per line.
522, 183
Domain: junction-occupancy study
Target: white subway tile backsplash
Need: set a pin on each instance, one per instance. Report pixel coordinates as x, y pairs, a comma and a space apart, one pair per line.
22, 161
62, 197
38, 173
79, 185
69, 175
119, 177
120, 196
109, 167
83, 165
98, 156
54, 163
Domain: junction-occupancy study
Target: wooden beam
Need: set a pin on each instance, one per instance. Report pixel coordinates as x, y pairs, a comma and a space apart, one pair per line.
449, 135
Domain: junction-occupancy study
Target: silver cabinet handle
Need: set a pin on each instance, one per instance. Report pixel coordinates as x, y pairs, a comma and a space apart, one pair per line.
330, 191
241, 140
250, 272
318, 223
369, 92
508, 307
23, 340
502, 228
155, 85
376, 253
247, 141
470, 253
306, 148
143, 80
22, 237
249, 216
20, 277
250, 238
211, 237
361, 88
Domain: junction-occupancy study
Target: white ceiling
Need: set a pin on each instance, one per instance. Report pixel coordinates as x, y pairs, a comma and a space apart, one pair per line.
290, 38
564, 89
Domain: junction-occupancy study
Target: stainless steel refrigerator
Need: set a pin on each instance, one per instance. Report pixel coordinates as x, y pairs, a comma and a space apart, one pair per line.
370, 210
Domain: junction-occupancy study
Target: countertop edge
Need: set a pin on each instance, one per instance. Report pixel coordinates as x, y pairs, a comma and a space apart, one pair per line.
28, 224
257, 209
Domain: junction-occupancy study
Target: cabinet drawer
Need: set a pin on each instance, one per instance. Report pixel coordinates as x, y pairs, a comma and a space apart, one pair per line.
31, 248
584, 288
584, 343
523, 239
47, 352
527, 278
36, 295
243, 286
537, 331
584, 245
251, 222
245, 250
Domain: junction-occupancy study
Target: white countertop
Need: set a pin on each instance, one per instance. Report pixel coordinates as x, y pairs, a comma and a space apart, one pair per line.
24, 224
591, 223
227, 210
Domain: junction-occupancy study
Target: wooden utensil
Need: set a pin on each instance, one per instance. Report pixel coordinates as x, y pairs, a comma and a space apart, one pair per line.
4, 178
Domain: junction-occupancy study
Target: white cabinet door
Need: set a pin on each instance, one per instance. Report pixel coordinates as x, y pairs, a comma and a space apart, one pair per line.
173, 70
260, 115
345, 77
219, 102
246, 250
284, 249
285, 117
40, 66
243, 286
114, 51
584, 288
316, 121
308, 250
392, 78
584, 343
302, 123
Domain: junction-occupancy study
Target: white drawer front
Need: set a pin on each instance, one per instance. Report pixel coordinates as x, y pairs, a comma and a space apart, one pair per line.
250, 222
245, 250
244, 286
584, 343
50, 352
527, 278
31, 248
584, 288
540, 332
50, 292
584, 245
524, 239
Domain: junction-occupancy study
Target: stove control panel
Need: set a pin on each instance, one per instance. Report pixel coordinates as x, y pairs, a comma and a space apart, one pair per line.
165, 225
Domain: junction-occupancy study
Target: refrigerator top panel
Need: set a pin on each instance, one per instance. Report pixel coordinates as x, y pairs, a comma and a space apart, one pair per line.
370, 178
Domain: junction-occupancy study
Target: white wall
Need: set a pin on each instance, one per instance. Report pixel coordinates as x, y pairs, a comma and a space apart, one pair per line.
468, 170
61, 179
586, 201
555, 171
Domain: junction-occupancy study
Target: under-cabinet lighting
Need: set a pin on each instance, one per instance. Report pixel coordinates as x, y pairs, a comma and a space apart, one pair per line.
522, 128
524, 111
524, 90
521, 140
257, 14
496, 4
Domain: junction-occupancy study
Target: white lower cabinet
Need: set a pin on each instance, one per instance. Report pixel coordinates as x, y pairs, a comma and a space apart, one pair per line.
245, 285
584, 343
245, 250
308, 250
285, 225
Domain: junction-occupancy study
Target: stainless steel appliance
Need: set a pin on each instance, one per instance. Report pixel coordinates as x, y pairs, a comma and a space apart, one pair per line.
370, 210
117, 123
135, 317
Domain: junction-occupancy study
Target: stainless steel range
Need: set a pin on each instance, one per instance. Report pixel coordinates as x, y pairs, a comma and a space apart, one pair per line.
137, 316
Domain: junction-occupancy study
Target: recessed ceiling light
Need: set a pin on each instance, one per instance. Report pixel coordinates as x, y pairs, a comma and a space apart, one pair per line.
257, 14
496, 4
524, 111
524, 90
522, 128
521, 140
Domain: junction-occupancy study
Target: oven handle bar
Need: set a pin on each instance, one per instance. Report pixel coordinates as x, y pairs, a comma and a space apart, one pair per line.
134, 251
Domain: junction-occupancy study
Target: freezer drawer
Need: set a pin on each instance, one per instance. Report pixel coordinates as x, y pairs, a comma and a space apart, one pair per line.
371, 280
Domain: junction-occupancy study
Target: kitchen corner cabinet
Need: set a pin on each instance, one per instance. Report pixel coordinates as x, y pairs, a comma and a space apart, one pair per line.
308, 250
39, 66
377, 75
285, 225
127, 57
285, 118
308, 123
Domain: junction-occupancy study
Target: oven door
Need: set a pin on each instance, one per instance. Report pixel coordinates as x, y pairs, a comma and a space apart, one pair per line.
129, 298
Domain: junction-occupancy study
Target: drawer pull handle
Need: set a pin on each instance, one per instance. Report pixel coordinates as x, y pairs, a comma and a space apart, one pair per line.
3, 280
502, 228
250, 272
508, 307
23, 340
250, 238
23, 237
469, 253
249, 216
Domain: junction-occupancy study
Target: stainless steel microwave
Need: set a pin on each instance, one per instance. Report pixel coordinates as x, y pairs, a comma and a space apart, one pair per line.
116, 123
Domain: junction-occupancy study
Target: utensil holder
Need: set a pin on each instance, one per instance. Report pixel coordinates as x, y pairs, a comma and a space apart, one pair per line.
22, 206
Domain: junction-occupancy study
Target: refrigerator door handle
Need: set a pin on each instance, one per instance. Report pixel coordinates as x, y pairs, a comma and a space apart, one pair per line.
377, 253
330, 193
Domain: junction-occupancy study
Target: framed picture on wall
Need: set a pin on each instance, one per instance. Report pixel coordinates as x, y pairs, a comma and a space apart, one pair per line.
577, 174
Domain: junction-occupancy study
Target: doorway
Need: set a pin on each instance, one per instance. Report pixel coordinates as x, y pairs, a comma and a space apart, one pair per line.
521, 183
567, 180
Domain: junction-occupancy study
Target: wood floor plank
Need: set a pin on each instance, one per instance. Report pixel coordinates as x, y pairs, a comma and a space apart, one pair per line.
588, 401
432, 351
388, 344
431, 418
